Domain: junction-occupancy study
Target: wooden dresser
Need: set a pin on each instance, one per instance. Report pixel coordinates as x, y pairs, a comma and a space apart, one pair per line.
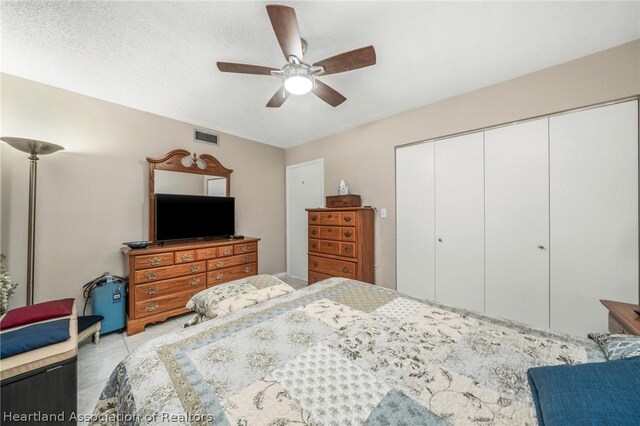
162, 279
341, 243
622, 317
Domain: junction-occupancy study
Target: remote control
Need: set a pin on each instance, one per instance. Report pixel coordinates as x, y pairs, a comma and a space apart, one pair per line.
237, 237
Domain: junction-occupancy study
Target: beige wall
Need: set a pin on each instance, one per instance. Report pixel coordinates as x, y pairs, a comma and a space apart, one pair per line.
365, 158
93, 195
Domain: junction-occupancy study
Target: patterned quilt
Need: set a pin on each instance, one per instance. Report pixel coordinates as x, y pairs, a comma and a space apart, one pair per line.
339, 352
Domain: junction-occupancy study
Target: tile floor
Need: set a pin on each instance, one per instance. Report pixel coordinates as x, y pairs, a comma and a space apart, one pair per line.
96, 362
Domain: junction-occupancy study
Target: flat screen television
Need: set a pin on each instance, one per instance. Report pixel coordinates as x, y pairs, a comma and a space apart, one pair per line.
182, 217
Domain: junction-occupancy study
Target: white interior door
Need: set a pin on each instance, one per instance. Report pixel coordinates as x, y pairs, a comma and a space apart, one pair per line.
517, 222
459, 219
415, 229
305, 189
594, 214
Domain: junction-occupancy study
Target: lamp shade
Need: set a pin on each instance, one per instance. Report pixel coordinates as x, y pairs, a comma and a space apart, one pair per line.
32, 146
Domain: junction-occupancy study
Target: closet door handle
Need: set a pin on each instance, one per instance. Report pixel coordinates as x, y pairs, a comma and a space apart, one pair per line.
541, 247
440, 240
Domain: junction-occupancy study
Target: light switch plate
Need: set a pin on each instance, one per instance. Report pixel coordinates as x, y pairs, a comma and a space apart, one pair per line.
383, 212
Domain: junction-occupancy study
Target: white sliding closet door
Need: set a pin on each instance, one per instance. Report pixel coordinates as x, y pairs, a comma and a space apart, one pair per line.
517, 222
594, 214
415, 234
459, 211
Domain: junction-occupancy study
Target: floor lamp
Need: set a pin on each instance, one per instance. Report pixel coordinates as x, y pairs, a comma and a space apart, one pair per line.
33, 148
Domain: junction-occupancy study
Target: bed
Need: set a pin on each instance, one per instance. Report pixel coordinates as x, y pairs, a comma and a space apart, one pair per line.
338, 352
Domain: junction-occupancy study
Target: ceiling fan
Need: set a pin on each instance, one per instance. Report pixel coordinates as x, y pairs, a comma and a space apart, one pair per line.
299, 78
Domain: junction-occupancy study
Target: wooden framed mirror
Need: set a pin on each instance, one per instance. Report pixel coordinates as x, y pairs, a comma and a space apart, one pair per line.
182, 172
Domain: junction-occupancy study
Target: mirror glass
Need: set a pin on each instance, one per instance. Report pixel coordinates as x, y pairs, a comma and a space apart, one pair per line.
169, 182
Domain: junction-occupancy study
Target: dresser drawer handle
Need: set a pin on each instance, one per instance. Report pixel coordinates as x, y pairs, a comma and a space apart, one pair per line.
347, 218
194, 282
155, 261
314, 244
244, 249
248, 259
314, 218
218, 276
315, 263
247, 269
348, 234
347, 249
194, 268
219, 264
621, 331
345, 269
151, 275
226, 251
151, 307
151, 290
185, 257
314, 231
207, 252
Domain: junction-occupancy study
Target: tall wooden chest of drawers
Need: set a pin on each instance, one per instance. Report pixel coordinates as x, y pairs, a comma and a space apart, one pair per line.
162, 279
341, 243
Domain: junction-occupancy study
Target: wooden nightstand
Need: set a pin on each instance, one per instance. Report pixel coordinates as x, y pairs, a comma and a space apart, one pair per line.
622, 318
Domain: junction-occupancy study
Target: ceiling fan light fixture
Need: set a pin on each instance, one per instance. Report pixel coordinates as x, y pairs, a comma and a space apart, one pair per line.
298, 79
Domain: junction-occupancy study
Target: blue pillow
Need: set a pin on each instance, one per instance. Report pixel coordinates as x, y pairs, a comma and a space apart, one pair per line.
601, 393
33, 337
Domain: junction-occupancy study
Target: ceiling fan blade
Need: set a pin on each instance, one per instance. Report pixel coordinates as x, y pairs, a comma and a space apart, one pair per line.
245, 68
285, 25
278, 98
328, 94
348, 61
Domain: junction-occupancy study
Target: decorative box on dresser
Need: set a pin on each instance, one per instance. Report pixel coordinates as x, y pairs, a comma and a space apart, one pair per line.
341, 243
162, 279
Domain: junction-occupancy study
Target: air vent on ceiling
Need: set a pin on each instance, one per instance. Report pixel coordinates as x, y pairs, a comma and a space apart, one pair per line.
200, 136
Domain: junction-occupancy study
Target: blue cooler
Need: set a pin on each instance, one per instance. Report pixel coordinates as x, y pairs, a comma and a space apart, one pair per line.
108, 300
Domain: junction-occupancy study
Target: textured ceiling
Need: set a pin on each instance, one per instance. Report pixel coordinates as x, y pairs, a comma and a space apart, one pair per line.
160, 56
